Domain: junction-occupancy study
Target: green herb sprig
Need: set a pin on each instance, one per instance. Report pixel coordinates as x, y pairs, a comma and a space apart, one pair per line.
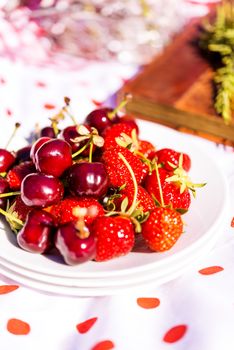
217, 37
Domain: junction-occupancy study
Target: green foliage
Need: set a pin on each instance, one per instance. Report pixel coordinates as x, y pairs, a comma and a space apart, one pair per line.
217, 37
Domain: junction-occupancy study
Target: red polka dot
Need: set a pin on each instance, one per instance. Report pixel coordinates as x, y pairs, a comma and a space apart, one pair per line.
49, 106
40, 84
8, 112
86, 325
8, 288
232, 222
97, 103
18, 327
104, 345
210, 270
175, 333
148, 303
2, 81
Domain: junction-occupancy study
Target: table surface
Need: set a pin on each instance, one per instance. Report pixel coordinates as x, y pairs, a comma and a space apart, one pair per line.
194, 311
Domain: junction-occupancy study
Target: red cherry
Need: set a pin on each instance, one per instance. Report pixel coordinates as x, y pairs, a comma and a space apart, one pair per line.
37, 144
100, 119
40, 190
53, 157
36, 234
23, 154
87, 179
75, 246
48, 131
7, 159
4, 188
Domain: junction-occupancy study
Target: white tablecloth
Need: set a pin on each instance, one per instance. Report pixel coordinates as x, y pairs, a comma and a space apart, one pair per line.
194, 311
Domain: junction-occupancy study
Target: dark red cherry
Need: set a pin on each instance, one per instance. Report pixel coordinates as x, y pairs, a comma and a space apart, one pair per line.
40, 190
53, 157
68, 134
36, 235
101, 119
74, 245
48, 131
37, 144
18, 172
87, 179
4, 188
23, 154
7, 159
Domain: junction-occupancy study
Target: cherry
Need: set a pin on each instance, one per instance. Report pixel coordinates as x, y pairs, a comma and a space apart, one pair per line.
4, 188
48, 131
31, 4
101, 119
87, 179
7, 159
75, 243
37, 144
37, 232
41, 190
23, 154
53, 157
68, 134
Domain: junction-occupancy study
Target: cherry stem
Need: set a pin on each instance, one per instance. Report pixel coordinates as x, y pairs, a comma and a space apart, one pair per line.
17, 125
2, 195
70, 115
123, 103
159, 185
11, 217
91, 152
81, 149
54, 125
134, 202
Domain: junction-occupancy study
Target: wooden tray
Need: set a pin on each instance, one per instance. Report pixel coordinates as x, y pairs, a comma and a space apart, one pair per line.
176, 90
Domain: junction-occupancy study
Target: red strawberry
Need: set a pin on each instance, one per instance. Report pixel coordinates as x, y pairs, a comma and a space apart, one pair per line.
167, 155
64, 211
144, 201
147, 149
171, 191
115, 237
16, 175
162, 229
118, 172
115, 131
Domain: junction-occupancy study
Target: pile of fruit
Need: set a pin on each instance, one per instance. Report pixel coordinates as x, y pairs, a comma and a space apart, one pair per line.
90, 190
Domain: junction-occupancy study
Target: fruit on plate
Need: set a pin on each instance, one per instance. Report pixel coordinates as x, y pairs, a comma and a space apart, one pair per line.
92, 190
36, 234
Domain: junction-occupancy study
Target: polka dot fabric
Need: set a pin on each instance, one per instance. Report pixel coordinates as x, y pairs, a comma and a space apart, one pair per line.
195, 311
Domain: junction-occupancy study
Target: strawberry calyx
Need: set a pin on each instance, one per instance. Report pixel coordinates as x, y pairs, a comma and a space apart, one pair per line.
12, 218
133, 145
180, 176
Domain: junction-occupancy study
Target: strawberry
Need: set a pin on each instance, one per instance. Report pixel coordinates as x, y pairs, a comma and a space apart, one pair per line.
144, 201
162, 229
118, 172
115, 131
19, 210
115, 237
165, 156
16, 174
146, 149
171, 191
65, 211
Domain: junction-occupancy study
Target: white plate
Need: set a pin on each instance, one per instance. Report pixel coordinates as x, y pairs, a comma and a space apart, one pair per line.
109, 285
206, 215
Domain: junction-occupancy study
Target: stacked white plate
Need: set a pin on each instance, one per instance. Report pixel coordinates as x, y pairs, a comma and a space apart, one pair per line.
142, 268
